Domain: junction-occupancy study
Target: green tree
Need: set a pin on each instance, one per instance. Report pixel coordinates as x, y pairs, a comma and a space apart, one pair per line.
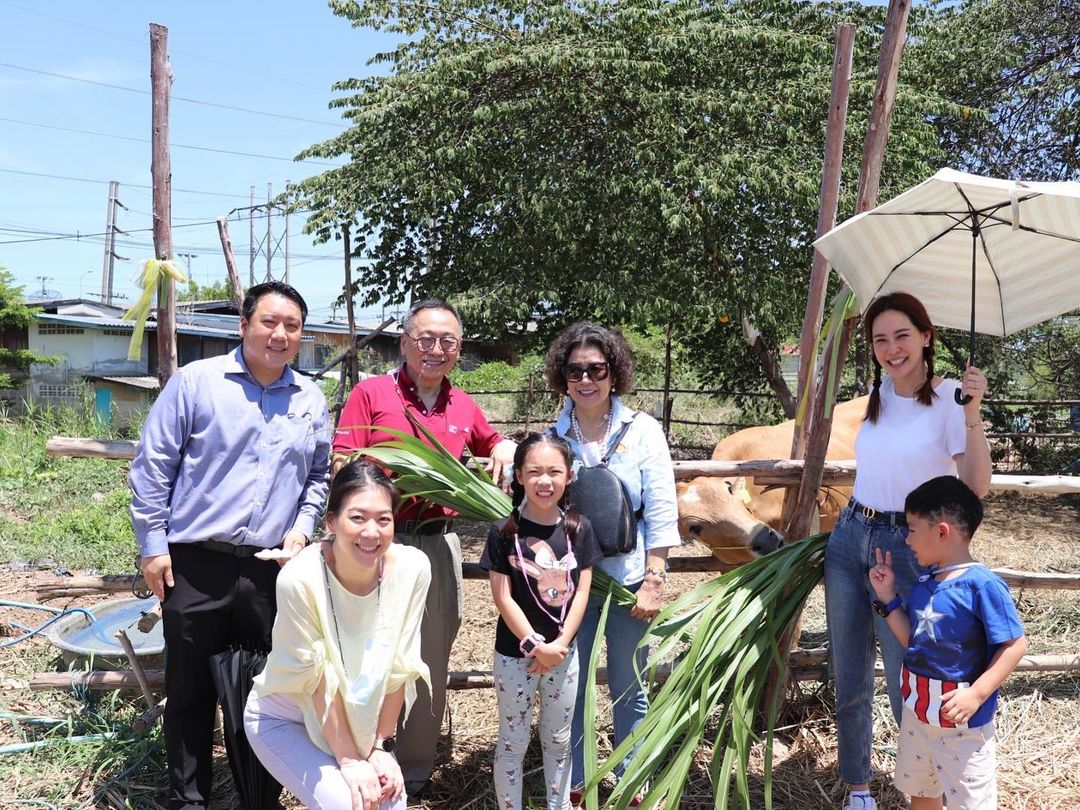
631, 162
1011, 68
15, 319
216, 291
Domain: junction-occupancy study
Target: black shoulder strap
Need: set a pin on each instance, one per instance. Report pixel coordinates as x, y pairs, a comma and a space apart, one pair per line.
616, 439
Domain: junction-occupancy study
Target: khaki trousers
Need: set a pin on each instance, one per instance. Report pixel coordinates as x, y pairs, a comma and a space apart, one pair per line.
418, 737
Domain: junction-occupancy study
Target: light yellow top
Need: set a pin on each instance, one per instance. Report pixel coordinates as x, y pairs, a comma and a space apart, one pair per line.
380, 641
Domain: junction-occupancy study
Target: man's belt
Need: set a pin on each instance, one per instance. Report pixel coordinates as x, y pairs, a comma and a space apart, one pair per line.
227, 548
424, 527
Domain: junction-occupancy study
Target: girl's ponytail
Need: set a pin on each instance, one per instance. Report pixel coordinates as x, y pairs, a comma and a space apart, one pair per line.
926, 390
873, 407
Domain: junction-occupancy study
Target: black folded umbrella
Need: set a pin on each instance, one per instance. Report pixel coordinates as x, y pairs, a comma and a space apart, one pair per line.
233, 671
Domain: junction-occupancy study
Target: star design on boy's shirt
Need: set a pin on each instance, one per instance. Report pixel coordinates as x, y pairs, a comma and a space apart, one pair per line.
928, 617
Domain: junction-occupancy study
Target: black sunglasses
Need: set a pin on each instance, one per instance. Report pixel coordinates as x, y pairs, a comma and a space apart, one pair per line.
575, 371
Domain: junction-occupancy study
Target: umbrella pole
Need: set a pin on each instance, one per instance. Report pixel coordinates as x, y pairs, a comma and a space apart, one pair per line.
962, 399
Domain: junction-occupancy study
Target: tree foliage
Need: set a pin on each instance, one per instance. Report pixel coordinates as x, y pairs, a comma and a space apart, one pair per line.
1012, 67
15, 319
615, 161
638, 163
216, 291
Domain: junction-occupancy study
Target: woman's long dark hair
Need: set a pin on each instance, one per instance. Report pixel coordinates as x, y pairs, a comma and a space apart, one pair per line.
912, 307
571, 519
358, 475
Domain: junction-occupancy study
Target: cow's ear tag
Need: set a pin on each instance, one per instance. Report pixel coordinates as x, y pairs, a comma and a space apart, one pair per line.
745, 495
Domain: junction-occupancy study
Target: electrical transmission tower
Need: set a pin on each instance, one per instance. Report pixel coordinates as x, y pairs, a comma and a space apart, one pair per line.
267, 246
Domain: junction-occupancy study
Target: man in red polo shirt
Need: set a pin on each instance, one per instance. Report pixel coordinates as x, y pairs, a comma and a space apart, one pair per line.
430, 344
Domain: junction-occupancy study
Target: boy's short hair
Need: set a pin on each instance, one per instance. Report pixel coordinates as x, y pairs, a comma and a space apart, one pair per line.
946, 499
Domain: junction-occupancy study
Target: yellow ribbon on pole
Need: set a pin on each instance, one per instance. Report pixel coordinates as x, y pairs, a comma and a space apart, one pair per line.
152, 272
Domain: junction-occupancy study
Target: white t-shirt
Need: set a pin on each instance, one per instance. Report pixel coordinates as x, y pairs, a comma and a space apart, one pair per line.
909, 444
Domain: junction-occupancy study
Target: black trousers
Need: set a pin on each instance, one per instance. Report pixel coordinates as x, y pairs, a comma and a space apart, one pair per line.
218, 601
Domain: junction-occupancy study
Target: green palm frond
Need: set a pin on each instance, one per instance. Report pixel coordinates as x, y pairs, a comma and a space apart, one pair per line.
430, 473
725, 636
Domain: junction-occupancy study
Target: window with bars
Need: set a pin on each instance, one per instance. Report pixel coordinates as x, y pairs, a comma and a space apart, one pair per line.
58, 329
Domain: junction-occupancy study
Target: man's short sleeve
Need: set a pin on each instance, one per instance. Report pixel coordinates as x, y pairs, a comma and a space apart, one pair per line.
357, 411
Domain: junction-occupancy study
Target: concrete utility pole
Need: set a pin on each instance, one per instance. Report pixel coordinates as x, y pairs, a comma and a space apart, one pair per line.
187, 257
287, 281
110, 241
161, 172
269, 242
251, 239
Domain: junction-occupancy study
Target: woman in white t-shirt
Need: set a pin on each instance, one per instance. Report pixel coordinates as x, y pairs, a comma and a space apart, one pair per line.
913, 431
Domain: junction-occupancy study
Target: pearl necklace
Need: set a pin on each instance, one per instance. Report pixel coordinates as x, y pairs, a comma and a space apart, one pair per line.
605, 422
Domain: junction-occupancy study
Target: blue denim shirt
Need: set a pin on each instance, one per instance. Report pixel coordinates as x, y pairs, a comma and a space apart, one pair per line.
223, 458
644, 466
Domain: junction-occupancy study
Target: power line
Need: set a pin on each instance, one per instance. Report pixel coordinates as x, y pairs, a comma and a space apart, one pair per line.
214, 104
172, 145
127, 185
142, 40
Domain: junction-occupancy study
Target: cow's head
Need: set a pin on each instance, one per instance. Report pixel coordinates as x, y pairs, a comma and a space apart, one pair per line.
716, 511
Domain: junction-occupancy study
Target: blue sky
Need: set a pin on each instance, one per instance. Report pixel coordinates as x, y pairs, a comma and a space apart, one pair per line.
274, 56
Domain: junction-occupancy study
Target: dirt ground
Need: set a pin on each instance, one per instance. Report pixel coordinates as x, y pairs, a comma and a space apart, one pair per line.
1038, 727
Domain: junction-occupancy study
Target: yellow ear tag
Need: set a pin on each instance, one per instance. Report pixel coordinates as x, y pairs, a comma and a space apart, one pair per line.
745, 495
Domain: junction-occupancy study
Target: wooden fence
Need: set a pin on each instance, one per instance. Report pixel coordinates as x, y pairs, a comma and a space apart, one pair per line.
805, 664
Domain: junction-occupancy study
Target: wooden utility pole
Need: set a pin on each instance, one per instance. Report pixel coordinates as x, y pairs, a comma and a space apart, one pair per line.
230, 264
819, 270
351, 375
161, 172
892, 49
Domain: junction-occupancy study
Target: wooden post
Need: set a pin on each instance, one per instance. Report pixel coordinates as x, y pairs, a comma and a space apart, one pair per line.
161, 172
529, 403
230, 264
819, 269
350, 359
892, 48
806, 508
665, 407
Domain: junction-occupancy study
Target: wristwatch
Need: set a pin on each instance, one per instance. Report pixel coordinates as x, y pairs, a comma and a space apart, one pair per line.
387, 744
530, 643
883, 610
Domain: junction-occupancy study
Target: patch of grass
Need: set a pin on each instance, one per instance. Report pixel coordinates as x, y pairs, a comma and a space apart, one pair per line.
72, 509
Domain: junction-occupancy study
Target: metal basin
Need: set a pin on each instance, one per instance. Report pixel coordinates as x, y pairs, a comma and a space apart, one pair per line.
80, 640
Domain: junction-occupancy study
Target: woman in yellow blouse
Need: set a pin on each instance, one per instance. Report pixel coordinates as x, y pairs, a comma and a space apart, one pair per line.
345, 656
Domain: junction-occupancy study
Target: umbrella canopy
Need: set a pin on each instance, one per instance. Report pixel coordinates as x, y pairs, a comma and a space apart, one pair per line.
233, 671
1013, 247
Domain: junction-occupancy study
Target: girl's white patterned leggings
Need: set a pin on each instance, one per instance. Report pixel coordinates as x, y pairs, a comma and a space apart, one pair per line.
515, 690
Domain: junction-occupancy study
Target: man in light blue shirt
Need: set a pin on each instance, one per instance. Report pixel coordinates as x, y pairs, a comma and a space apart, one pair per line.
233, 459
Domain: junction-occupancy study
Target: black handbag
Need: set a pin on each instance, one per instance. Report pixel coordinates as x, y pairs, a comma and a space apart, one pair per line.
600, 495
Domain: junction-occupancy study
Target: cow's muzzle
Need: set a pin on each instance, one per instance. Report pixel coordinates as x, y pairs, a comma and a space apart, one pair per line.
765, 540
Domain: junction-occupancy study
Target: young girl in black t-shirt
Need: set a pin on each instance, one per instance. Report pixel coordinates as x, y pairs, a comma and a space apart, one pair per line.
539, 561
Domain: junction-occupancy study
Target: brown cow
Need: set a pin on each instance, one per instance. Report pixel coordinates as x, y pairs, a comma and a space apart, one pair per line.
738, 519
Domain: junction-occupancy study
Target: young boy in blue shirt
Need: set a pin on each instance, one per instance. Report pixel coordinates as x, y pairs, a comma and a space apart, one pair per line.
963, 638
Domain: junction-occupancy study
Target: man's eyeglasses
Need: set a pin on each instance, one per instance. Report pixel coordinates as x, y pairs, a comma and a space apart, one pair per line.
575, 371
427, 343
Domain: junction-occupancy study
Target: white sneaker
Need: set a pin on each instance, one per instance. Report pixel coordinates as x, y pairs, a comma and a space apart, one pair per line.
860, 802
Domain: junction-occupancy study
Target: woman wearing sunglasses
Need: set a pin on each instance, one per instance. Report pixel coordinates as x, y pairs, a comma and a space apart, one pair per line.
591, 366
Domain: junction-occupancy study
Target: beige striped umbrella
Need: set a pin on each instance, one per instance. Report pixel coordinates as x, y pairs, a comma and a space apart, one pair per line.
994, 256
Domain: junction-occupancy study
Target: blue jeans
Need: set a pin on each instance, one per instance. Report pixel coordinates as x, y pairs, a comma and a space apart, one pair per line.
853, 626
623, 632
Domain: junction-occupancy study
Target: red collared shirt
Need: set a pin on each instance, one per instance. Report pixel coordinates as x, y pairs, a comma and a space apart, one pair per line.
455, 420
